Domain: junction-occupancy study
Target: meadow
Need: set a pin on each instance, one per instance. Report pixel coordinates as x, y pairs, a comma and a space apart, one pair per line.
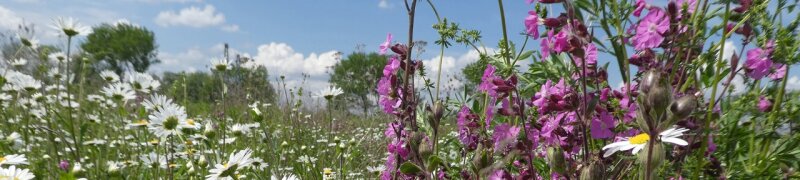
685, 108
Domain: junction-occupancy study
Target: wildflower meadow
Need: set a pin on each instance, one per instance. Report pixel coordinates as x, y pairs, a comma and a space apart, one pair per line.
547, 89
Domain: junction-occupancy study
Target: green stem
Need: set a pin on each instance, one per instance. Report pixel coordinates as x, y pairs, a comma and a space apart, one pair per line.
505, 31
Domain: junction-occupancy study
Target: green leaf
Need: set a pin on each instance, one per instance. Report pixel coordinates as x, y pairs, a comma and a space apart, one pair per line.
434, 162
525, 55
410, 168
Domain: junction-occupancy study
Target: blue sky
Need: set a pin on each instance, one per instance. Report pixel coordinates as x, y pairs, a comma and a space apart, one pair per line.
289, 37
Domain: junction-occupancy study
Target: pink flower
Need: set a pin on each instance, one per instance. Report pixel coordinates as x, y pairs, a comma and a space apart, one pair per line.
386, 44
486, 80
757, 64
467, 127
532, 24
764, 105
561, 43
651, 29
640, 5
690, 5
779, 73
392, 66
546, 45
602, 124
504, 136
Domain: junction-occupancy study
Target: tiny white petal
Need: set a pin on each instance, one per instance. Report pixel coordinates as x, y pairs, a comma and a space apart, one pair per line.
675, 141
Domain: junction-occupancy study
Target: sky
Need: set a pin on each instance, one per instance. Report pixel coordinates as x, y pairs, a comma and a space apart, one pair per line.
288, 37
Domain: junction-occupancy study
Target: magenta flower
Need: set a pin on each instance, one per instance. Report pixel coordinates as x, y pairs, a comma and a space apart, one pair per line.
779, 73
486, 80
499, 175
602, 124
640, 5
561, 41
467, 127
546, 45
386, 44
504, 136
590, 56
757, 64
532, 24
690, 5
392, 66
651, 29
764, 105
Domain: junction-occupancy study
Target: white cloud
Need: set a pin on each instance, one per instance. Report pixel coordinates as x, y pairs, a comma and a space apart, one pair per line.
451, 67
191, 60
384, 4
10, 20
307, 71
191, 17
230, 28
793, 83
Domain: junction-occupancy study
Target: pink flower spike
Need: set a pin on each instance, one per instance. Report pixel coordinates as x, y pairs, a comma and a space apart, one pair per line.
386, 44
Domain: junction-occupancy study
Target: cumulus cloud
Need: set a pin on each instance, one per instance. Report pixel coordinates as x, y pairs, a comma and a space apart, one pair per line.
192, 17
384, 4
281, 58
191, 60
230, 28
10, 20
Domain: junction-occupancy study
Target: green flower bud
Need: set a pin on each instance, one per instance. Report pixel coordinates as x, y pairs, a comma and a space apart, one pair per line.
650, 79
595, 170
683, 107
555, 157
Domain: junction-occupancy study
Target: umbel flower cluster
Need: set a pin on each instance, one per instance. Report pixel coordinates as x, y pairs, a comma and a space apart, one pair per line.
562, 118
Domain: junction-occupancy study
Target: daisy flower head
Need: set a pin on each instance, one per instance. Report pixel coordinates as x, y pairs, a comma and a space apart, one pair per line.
220, 64
330, 92
167, 121
19, 62
156, 102
239, 160
143, 82
109, 76
638, 142
59, 57
119, 91
14, 173
28, 40
70, 27
13, 159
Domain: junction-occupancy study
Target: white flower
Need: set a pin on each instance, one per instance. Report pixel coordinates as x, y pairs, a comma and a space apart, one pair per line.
19, 62
119, 91
143, 82
236, 161
156, 102
14, 159
70, 27
639, 141
154, 160
57, 57
165, 122
109, 76
14, 173
287, 177
220, 64
27, 39
330, 92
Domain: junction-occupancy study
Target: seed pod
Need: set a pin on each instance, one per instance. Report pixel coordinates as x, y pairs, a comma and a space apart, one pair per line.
657, 157
659, 98
683, 107
650, 79
595, 170
555, 157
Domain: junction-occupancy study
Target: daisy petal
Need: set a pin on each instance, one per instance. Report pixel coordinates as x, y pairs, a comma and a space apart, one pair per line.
677, 141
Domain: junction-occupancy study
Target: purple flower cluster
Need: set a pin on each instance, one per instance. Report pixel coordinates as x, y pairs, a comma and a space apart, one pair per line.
759, 63
468, 128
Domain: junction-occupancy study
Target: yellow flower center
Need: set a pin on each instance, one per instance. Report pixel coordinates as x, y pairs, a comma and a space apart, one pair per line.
2, 159
640, 139
327, 171
190, 122
142, 122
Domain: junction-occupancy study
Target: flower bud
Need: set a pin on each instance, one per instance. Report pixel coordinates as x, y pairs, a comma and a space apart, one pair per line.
659, 99
595, 170
555, 157
425, 148
683, 107
649, 79
481, 159
657, 157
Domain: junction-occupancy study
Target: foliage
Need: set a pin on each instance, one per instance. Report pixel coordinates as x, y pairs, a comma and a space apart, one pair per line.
122, 47
357, 75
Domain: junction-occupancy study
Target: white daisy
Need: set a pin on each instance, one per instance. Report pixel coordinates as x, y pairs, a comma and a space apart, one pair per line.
119, 91
109, 76
236, 161
220, 64
28, 40
70, 27
57, 57
14, 173
154, 160
330, 92
165, 122
14, 159
156, 101
143, 82
286, 177
19, 62
639, 141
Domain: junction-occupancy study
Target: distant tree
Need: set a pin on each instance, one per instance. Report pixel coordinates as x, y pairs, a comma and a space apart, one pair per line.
122, 47
473, 72
357, 75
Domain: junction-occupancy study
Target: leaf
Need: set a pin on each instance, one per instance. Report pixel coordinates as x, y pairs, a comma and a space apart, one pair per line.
434, 162
410, 168
525, 55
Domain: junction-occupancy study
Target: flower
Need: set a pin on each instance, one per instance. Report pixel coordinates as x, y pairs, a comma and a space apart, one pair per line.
143, 82
156, 102
779, 73
14, 159
119, 91
651, 29
640, 5
532, 23
28, 40
57, 57
602, 124
386, 44
236, 161
327, 173
165, 122
486, 80
330, 92
764, 105
18, 62
504, 136
109, 76
14, 173
639, 141
758, 63
467, 128
154, 160
220, 64
70, 27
